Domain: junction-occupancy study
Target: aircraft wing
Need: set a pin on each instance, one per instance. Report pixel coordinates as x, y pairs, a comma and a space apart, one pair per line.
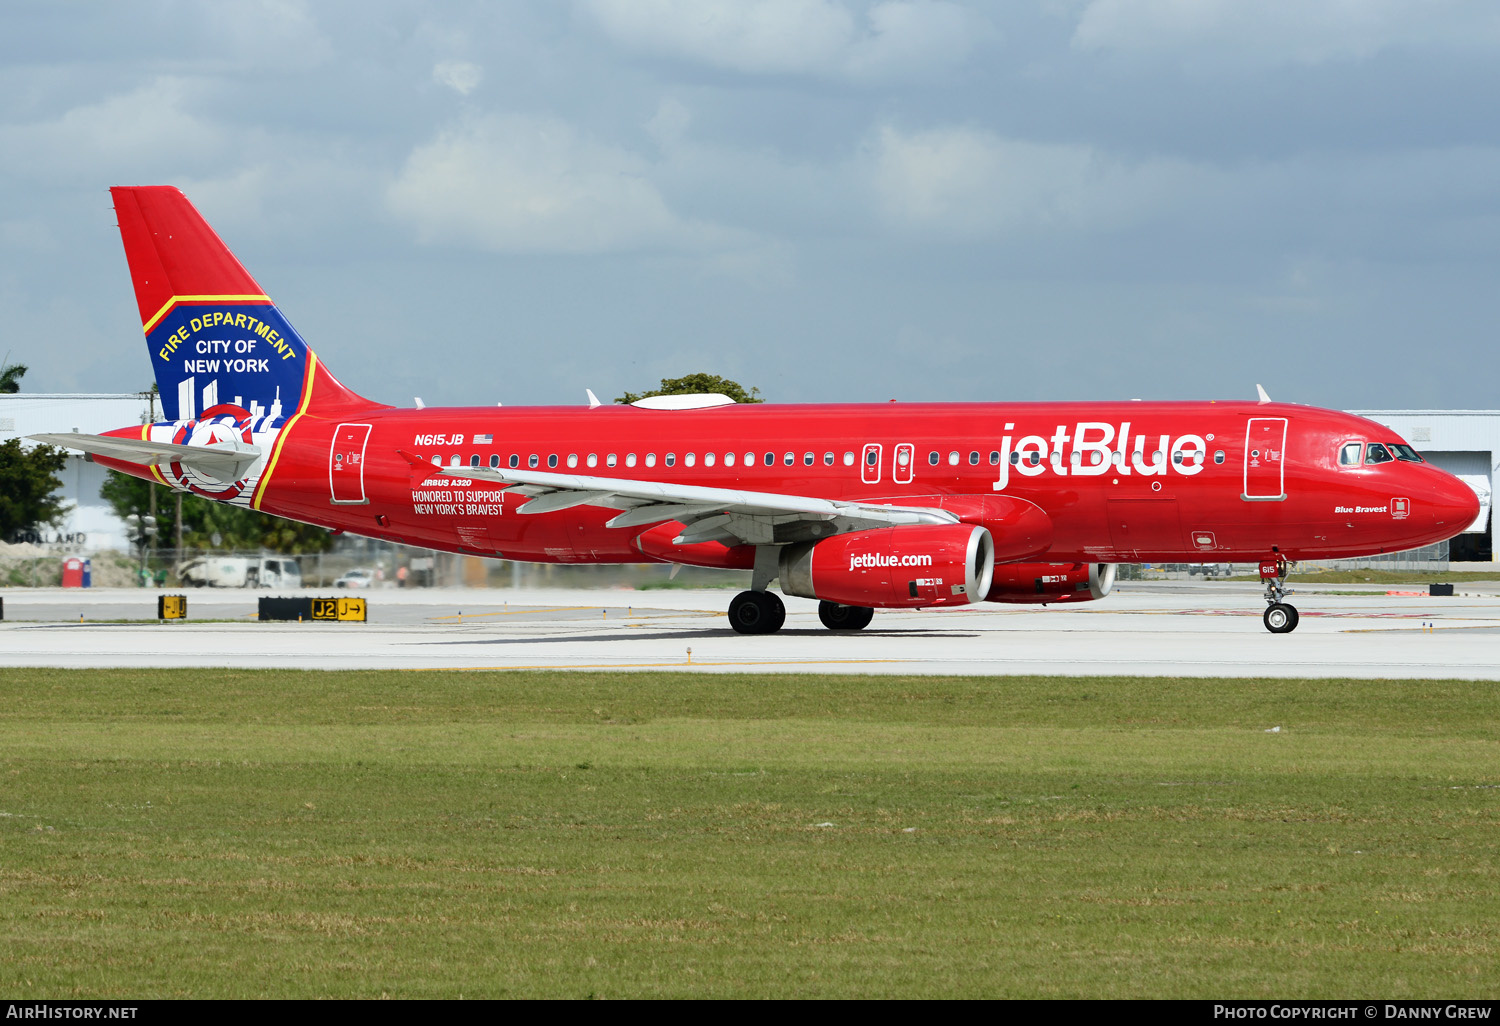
226, 461
726, 515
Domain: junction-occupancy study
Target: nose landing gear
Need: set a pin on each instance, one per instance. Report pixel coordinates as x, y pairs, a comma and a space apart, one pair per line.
1280, 617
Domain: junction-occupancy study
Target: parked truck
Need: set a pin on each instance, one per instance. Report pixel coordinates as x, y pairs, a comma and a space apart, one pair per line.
241, 572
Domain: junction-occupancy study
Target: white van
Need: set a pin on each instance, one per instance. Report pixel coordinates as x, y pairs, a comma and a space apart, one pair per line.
241, 572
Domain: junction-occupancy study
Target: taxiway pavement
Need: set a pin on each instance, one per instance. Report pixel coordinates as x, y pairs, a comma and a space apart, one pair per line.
1155, 628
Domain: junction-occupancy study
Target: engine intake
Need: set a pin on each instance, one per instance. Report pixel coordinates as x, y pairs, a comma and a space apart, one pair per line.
893, 567
1051, 582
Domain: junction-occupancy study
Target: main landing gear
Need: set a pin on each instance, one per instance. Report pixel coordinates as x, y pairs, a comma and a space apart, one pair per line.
844, 618
1280, 617
761, 612
756, 612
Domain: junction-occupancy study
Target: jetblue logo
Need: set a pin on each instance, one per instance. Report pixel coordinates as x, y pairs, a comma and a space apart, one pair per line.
1095, 448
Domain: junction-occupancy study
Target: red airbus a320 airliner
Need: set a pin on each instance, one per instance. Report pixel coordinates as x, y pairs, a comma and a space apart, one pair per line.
861, 506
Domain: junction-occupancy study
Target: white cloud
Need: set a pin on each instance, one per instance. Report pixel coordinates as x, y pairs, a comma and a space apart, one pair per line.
526, 184
910, 38
120, 135
460, 76
1282, 31
803, 37
668, 126
965, 182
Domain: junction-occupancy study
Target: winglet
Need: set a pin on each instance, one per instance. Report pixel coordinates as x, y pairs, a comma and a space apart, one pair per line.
594, 402
1261, 393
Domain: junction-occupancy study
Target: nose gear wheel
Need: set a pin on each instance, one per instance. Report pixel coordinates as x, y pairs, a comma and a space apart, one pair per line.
1280, 617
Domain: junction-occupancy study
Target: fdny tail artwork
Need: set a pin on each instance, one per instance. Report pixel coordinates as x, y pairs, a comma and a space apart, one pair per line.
860, 506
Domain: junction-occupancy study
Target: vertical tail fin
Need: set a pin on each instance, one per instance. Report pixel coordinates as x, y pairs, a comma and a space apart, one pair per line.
217, 342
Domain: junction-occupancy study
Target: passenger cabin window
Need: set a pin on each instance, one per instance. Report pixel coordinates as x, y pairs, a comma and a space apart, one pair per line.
609, 460
552, 461
729, 459
1377, 453
973, 459
790, 459
770, 459
515, 461
572, 459
708, 459
495, 462
453, 460
532, 461
933, 458
871, 457
808, 459
994, 459
828, 459
630, 459
1406, 454
953, 459
848, 459
1349, 454
593, 459
1015, 458
474, 460
1219, 456
671, 459
437, 461
690, 459
650, 459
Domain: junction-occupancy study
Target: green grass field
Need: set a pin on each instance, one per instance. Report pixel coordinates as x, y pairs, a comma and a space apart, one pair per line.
213, 833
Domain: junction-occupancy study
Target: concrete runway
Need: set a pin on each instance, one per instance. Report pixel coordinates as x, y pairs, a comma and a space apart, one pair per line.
1155, 628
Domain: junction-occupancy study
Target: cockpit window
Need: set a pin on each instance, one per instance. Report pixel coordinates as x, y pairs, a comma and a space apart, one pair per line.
1377, 453
1406, 454
1349, 454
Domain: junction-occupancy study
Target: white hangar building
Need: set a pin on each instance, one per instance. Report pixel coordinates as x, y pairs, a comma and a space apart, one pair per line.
91, 525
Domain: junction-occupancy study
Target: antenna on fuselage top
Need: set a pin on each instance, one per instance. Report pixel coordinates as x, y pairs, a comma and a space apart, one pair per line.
420, 404
594, 402
1261, 393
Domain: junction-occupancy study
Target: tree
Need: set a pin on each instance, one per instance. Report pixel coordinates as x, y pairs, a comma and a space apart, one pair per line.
10, 376
202, 518
28, 486
698, 383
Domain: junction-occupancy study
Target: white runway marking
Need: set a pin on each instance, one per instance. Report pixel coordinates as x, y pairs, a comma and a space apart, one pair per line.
1208, 630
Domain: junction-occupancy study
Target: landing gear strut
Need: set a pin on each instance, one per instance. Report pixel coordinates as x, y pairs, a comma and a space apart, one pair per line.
1280, 617
756, 612
844, 618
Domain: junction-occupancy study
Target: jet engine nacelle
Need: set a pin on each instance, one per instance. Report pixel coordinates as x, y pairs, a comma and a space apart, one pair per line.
1051, 582
893, 567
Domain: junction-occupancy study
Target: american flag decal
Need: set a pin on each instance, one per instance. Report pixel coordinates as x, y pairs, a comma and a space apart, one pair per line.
484, 439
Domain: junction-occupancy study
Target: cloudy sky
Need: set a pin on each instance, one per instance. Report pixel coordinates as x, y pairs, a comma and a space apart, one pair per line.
830, 199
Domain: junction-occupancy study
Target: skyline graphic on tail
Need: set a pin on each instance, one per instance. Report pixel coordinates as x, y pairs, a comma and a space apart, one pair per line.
229, 367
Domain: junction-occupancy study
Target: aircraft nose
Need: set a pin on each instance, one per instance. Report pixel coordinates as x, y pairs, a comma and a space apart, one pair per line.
1453, 504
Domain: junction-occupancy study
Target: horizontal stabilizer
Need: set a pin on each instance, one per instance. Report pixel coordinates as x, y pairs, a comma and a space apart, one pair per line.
226, 461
